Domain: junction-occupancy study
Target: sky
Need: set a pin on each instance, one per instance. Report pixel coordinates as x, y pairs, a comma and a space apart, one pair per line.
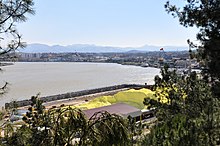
121, 23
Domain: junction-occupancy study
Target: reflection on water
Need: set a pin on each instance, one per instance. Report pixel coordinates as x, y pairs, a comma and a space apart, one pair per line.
28, 79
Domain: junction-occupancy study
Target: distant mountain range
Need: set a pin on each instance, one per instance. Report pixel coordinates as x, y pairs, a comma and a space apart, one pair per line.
85, 48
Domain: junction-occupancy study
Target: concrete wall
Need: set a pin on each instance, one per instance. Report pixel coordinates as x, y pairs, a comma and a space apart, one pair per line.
76, 94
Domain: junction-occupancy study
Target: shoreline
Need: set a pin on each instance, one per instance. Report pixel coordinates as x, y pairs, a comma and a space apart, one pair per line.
78, 96
126, 64
5, 64
80, 99
53, 78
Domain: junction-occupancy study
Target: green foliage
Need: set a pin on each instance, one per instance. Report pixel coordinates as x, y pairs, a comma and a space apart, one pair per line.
21, 137
205, 15
3, 113
191, 115
12, 12
105, 129
67, 126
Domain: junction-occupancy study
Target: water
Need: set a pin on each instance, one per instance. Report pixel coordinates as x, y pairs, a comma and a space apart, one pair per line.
50, 78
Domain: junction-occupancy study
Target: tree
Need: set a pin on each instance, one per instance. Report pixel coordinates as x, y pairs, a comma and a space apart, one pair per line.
12, 12
105, 129
205, 15
68, 126
191, 114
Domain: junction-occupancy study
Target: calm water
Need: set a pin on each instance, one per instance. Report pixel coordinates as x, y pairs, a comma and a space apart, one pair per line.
28, 79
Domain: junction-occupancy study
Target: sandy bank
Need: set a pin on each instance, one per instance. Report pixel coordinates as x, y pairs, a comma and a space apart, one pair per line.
80, 99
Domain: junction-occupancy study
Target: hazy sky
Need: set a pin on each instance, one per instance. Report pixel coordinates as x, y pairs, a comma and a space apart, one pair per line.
124, 23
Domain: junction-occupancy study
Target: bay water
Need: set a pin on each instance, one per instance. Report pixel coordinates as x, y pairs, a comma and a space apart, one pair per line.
27, 79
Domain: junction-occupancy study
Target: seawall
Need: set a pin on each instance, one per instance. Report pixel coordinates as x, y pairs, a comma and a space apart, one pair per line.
76, 94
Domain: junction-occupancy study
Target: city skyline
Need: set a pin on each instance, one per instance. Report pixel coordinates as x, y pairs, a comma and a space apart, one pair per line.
123, 23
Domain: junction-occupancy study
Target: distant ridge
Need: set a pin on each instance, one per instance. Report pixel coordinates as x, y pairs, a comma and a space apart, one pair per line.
86, 48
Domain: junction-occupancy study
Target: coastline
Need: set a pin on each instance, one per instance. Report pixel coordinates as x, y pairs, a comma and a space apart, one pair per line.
80, 99
53, 78
124, 64
6, 63
78, 96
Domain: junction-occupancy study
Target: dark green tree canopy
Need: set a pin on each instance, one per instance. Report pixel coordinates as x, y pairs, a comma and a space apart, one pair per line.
191, 115
205, 15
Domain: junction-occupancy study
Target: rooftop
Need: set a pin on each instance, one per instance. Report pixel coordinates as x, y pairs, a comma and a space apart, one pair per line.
118, 108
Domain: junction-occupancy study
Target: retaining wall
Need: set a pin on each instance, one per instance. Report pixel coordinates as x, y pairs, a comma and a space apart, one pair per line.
76, 94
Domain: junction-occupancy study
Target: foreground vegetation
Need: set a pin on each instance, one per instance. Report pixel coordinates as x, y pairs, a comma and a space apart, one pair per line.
67, 126
187, 107
192, 114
